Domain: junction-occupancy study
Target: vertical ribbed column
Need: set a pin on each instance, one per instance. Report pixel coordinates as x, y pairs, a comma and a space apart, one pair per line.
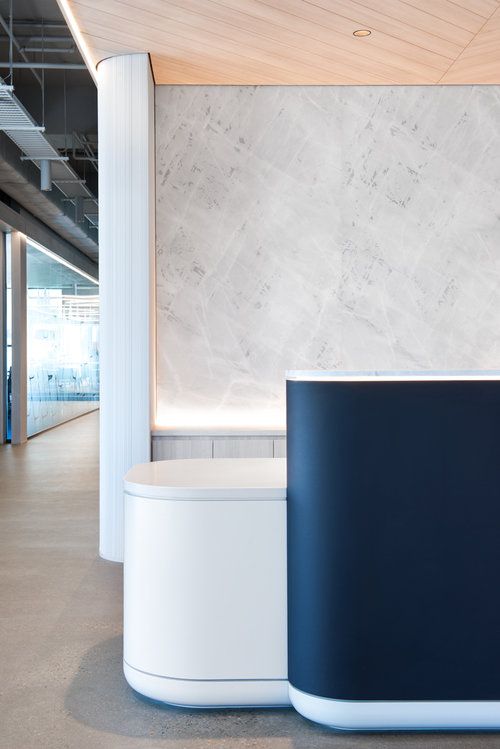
126, 263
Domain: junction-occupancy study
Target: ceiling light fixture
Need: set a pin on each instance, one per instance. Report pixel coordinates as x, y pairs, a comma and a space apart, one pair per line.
61, 260
70, 19
361, 32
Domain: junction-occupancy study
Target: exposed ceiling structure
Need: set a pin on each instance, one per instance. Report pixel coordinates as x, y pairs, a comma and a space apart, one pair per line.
299, 41
48, 110
20, 180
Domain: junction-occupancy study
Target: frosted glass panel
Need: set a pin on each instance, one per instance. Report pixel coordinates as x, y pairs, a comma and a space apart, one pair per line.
63, 341
8, 338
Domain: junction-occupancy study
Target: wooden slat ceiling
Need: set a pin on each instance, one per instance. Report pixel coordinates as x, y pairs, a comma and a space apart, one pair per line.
300, 41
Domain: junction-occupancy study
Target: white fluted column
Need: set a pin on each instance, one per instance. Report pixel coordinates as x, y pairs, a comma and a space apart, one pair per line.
126, 263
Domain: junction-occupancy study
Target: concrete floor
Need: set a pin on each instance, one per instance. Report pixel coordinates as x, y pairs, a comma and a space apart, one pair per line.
61, 683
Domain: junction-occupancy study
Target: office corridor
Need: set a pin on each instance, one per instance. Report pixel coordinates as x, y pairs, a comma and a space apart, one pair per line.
58, 600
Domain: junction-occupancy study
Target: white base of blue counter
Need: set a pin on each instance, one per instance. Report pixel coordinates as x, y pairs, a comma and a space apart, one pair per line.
209, 693
401, 715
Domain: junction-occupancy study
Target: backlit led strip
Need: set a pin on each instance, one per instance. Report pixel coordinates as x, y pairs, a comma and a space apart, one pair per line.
378, 376
78, 37
61, 260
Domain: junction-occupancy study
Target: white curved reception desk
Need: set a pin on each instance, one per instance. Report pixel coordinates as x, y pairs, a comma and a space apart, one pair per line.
205, 582
388, 520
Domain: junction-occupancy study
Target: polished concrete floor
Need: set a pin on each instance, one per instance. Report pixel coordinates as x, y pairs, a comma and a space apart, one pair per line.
61, 683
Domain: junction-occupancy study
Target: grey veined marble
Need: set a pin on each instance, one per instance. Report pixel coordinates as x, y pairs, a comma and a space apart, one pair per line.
321, 228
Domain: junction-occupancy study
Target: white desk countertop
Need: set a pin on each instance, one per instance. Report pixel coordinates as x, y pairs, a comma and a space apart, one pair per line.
209, 478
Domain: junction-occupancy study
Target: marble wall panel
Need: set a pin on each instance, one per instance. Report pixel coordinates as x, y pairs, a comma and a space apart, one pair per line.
320, 228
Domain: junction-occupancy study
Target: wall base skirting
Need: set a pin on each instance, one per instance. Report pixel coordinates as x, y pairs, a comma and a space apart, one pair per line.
256, 445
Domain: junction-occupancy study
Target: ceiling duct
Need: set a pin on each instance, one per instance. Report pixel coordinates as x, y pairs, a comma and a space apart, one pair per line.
45, 175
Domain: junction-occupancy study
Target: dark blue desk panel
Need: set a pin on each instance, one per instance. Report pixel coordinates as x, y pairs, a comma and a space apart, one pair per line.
394, 539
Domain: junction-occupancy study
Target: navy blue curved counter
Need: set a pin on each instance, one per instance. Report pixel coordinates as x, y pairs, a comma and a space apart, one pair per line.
394, 550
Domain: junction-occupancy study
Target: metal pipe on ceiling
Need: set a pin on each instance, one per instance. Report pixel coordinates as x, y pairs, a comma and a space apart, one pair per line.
45, 175
38, 38
47, 158
39, 24
50, 50
45, 65
11, 45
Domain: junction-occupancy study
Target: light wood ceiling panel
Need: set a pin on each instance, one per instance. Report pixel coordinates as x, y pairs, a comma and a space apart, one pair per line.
300, 41
480, 60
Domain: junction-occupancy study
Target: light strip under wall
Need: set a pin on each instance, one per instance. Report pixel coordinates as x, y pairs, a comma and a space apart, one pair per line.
207, 421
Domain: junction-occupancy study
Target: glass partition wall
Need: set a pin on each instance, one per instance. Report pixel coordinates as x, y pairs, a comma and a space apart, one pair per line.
62, 340
7, 341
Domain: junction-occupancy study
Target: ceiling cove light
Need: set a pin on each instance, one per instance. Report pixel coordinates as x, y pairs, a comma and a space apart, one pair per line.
60, 260
70, 19
361, 32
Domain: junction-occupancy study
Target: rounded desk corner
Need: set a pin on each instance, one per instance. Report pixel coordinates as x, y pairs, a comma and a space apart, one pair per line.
210, 693
158, 688
397, 715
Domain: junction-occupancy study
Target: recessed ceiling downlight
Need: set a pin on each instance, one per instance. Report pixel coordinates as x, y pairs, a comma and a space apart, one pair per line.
361, 32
